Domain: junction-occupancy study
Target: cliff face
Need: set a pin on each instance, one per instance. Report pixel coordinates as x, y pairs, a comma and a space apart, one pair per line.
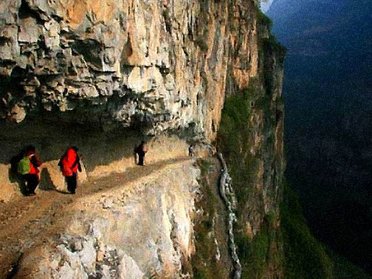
101, 75
159, 63
251, 138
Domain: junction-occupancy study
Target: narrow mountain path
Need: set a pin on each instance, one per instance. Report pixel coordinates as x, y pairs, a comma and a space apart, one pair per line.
29, 221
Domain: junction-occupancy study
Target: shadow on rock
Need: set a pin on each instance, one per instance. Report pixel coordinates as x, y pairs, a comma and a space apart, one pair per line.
46, 182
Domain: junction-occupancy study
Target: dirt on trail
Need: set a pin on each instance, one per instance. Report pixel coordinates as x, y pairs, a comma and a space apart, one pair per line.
27, 222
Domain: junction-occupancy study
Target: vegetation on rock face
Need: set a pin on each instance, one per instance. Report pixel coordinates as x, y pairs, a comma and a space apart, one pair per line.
257, 254
250, 116
304, 256
234, 136
212, 257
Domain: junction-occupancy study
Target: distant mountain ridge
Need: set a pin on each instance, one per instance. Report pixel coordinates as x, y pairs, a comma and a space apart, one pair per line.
328, 89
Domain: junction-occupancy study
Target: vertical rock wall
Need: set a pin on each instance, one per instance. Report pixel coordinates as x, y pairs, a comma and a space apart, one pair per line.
251, 138
163, 64
150, 66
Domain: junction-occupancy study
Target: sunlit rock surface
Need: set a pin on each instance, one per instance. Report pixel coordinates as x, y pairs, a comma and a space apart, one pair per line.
140, 229
160, 63
103, 75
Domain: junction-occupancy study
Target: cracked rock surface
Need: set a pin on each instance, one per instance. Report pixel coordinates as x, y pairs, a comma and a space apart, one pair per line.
159, 63
137, 224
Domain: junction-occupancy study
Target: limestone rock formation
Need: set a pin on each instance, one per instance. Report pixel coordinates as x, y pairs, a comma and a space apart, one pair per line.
103, 75
163, 64
118, 234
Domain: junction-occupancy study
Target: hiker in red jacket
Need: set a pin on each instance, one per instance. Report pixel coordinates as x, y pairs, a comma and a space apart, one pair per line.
31, 175
70, 164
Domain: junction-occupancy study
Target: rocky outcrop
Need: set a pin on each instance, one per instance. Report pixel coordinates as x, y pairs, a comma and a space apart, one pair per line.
251, 139
122, 236
162, 64
102, 75
135, 225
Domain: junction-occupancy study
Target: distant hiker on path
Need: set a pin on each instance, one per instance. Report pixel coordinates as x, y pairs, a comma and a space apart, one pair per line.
141, 150
70, 164
28, 168
191, 150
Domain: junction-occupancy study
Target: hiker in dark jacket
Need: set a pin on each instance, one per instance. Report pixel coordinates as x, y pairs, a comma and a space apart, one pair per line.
141, 150
70, 164
28, 168
191, 150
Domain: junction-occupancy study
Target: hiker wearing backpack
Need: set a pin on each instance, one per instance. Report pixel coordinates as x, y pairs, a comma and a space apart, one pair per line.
28, 168
141, 150
70, 164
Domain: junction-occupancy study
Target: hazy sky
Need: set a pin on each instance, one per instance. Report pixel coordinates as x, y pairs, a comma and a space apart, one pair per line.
265, 5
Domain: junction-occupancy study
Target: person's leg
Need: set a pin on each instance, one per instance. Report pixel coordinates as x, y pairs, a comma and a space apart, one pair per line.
74, 183
26, 181
140, 159
32, 180
71, 183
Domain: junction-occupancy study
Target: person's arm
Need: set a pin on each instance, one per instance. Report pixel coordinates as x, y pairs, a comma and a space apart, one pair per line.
144, 148
79, 164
